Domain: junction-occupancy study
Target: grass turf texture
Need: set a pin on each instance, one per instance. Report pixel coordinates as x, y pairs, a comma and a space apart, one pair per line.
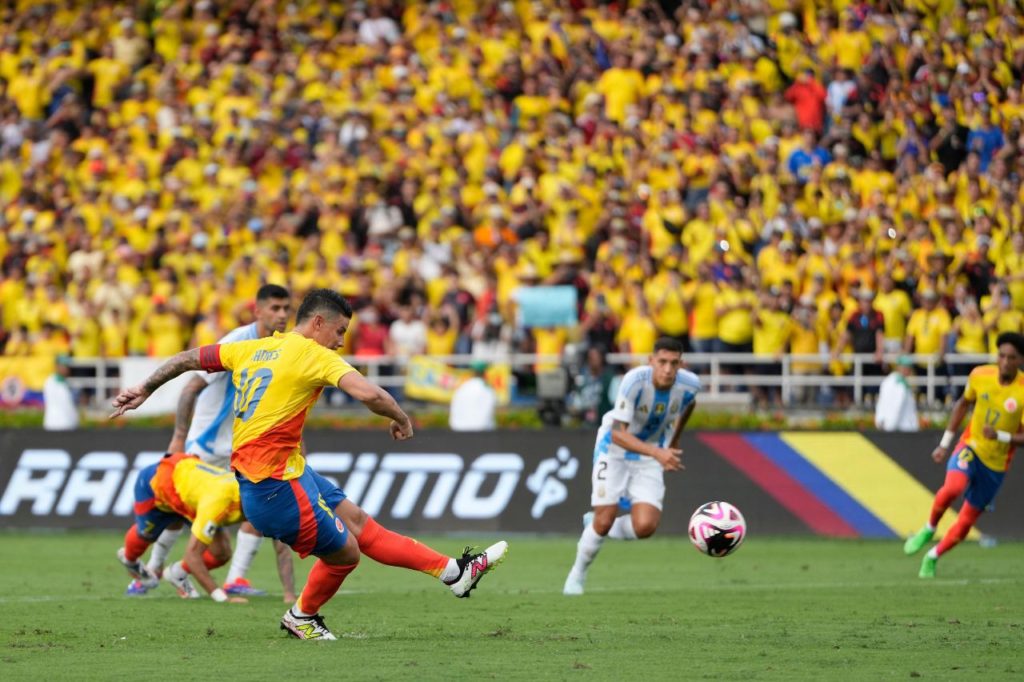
776, 610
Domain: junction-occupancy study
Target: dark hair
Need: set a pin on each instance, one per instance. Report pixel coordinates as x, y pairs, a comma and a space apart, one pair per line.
669, 344
321, 301
271, 291
1013, 338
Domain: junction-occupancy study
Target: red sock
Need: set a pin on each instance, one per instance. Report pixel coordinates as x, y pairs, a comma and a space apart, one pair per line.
965, 520
322, 584
388, 547
209, 560
134, 544
954, 487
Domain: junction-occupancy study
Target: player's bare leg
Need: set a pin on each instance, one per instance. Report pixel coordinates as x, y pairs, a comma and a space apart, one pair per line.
328, 573
588, 546
393, 549
285, 570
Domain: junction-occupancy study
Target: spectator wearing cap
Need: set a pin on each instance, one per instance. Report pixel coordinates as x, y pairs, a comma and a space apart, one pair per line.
896, 409
474, 402
60, 412
865, 332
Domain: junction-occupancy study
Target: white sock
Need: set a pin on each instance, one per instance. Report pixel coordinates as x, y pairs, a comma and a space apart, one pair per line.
929, 526
932, 553
623, 529
586, 550
299, 612
177, 570
161, 548
450, 572
246, 546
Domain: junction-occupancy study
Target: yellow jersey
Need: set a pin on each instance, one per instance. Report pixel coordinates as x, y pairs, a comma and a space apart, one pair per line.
277, 380
202, 493
995, 405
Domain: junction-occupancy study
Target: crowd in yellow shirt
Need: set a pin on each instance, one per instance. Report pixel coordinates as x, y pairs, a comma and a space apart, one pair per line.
736, 176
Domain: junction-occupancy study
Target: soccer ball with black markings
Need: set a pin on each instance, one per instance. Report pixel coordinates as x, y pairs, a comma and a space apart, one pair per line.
717, 528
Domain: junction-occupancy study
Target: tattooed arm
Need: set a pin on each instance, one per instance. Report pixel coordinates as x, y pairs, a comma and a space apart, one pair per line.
183, 416
130, 398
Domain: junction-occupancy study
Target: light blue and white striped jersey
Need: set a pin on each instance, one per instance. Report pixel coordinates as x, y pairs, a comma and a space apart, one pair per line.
210, 430
650, 413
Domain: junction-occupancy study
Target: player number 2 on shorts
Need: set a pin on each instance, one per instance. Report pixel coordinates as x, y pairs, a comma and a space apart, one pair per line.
250, 390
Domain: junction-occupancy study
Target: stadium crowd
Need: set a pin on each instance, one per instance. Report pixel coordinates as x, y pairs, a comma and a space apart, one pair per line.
746, 175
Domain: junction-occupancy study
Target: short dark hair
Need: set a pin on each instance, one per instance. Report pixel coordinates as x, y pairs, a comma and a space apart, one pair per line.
268, 291
1014, 339
670, 344
321, 301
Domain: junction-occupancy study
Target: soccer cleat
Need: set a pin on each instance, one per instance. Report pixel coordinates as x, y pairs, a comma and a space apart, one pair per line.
137, 588
472, 567
138, 571
588, 520
242, 588
177, 577
573, 585
927, 567
915, 542
306, 627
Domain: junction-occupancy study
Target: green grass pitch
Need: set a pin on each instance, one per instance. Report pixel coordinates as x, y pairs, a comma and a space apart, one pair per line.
779, 609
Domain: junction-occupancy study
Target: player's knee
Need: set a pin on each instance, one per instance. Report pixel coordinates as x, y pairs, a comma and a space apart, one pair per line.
645, 528
603, 521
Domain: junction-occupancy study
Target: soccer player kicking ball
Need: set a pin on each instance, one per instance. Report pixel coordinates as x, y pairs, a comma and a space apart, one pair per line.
277, 381
983, 453
182, 488
202, 428
630, 456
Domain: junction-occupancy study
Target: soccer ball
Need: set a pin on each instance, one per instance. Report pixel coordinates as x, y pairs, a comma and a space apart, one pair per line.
717, 528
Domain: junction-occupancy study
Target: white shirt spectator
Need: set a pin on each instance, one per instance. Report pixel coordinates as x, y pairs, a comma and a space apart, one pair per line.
59, 410
837, 94
896, 409
373, 30
408, 337
472, 407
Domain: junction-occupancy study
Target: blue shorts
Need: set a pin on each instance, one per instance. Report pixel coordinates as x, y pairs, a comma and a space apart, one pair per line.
983, 483
149, 520
298, 512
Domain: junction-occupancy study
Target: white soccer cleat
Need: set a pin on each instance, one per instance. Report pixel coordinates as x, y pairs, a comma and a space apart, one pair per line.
573, 584
177, 577
308, 627
472, 567
138, 571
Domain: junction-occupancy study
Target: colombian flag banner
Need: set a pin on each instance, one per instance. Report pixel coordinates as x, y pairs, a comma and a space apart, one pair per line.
22, 379
433, 381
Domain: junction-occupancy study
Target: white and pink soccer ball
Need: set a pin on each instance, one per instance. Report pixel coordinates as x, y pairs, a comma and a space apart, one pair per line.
717, 528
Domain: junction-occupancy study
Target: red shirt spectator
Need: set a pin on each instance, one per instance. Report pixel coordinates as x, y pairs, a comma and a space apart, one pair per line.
808, 98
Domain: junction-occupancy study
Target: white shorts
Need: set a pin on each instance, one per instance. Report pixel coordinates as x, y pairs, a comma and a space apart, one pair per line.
641, 481
222, 461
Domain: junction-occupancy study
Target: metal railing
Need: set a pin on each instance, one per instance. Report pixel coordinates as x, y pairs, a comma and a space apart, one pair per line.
100, 378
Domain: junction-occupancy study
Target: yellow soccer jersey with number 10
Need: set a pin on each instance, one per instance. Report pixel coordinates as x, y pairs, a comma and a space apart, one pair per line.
995, 405
276, 381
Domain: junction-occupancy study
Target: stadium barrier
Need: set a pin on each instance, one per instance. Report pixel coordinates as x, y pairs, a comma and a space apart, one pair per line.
101, 379
840, 484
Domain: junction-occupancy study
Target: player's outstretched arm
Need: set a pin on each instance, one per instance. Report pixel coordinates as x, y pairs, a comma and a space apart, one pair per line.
183, 415
132, 397
378, 401
960, 409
